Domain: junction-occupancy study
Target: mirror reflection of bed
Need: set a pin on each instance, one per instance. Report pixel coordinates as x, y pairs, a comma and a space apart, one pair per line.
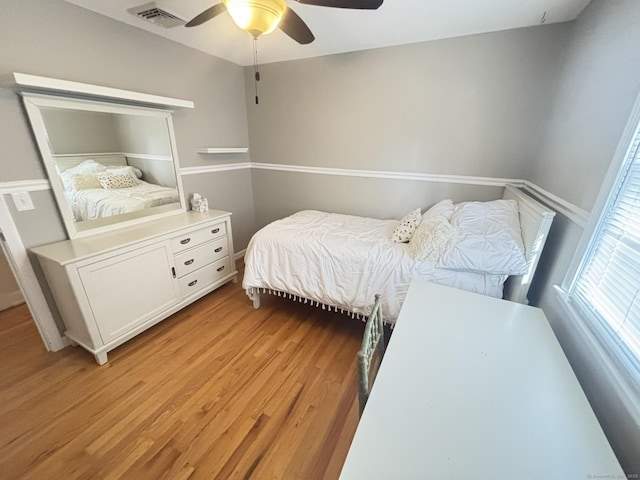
107, 163
98, 186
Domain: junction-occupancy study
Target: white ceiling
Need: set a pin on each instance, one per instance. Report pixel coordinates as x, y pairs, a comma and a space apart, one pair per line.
336, 30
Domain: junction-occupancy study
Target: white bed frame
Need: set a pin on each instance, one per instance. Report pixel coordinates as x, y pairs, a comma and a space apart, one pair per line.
65, 162
535, 222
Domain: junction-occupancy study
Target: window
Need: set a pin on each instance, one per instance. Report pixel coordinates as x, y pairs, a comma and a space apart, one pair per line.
606, 288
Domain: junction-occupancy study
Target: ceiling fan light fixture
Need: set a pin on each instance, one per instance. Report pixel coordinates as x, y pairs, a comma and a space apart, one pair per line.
258, 17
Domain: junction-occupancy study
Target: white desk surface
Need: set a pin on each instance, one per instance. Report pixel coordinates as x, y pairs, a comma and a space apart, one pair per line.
473, 387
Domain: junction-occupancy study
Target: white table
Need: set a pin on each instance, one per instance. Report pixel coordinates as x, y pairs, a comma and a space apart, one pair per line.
473, 387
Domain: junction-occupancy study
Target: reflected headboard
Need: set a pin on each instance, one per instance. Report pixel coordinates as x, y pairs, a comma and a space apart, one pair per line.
535, 222
64, 162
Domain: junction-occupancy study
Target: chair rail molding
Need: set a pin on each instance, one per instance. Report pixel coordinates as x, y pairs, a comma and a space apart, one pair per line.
576, 214
24, 186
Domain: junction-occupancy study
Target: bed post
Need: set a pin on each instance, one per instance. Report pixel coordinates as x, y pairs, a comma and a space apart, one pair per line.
254, 295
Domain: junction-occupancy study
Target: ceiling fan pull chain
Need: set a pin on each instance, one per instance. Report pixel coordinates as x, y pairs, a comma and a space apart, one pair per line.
256, 73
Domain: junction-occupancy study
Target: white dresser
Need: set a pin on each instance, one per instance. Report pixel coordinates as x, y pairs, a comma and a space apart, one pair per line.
110, 287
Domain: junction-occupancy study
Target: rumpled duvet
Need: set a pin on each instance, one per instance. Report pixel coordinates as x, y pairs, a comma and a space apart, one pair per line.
95, 203
342, 261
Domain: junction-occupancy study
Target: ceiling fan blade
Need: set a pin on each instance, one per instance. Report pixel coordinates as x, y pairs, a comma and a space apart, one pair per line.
294, 26
355, 4
207, 15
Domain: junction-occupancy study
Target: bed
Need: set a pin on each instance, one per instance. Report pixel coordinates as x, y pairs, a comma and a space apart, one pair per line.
98, 186
339, 262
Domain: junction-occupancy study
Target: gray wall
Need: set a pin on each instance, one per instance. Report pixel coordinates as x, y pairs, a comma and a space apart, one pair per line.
282, 193
473, 105
56, 39
146, 135
592, 102
595, 93
78, 131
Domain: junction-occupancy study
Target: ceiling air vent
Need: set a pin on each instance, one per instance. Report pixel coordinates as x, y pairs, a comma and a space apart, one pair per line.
154, 14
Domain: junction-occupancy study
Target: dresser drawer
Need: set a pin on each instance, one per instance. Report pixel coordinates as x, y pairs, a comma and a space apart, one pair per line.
204, 277
196, 237
195, 258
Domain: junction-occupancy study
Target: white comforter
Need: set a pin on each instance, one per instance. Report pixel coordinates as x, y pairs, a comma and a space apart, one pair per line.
95, 203
342, 261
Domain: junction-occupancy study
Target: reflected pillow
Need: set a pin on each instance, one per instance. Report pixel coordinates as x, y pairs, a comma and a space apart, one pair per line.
110, 181
88, 166
408, 224
134, 171
84, 181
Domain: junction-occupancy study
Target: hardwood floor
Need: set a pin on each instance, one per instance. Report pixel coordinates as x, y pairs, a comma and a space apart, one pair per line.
218, 390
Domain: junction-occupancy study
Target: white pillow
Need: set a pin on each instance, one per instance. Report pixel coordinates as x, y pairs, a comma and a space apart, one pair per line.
408, 224
443, 208
110, 181
488, 241
432, 238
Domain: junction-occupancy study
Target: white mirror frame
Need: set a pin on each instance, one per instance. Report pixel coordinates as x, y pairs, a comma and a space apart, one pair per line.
34, 102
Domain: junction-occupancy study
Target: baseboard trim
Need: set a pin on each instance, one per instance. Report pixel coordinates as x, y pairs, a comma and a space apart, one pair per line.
10, 299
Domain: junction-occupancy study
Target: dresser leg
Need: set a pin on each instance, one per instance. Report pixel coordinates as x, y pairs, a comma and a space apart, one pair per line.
101, 358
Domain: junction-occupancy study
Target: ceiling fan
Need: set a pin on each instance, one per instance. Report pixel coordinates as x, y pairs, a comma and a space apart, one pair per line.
260, 17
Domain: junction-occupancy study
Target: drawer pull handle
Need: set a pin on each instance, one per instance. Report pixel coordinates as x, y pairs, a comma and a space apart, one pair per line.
173, 272
185, 241
215, 230
191, 284
219, 249
189, 262
221, 268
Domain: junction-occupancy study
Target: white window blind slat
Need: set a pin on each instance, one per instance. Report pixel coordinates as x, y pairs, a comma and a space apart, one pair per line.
608, 283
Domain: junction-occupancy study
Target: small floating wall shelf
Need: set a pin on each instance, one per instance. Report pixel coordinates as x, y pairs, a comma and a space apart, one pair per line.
223, 150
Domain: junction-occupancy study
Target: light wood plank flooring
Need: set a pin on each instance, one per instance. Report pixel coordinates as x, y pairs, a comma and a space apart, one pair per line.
218, 390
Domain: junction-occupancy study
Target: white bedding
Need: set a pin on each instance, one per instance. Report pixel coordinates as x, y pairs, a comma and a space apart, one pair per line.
342, 261
95, 203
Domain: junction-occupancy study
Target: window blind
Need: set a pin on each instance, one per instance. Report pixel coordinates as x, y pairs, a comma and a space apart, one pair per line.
608, 283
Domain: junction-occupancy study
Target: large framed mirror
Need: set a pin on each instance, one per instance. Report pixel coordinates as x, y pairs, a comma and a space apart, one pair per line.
109, 165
